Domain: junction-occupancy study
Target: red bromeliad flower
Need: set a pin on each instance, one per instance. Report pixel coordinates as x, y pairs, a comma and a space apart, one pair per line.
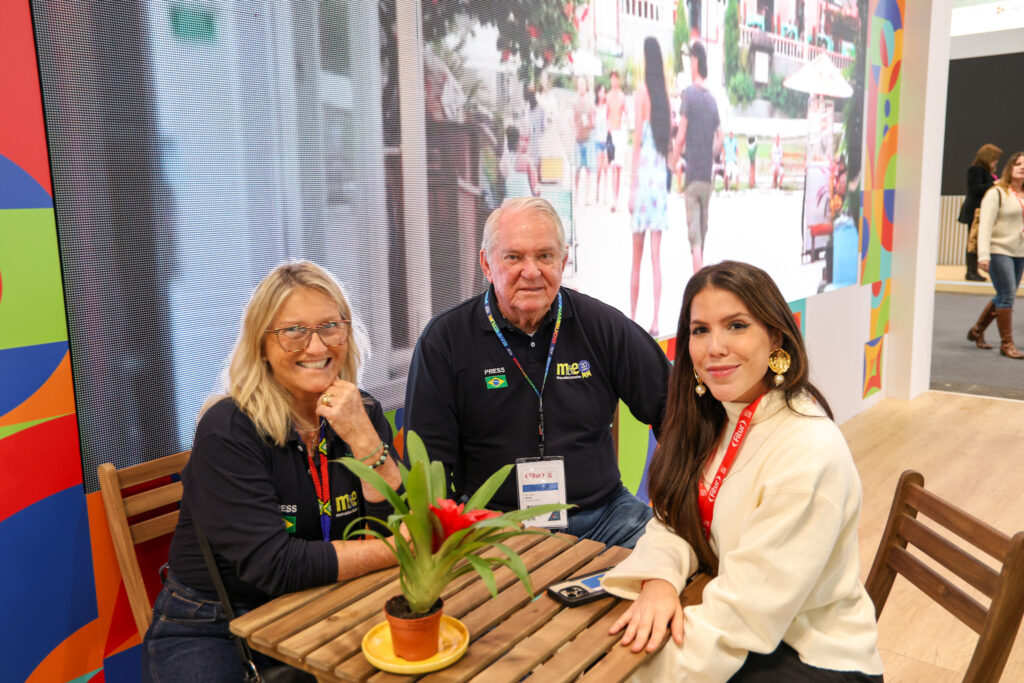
453, 519
532, 30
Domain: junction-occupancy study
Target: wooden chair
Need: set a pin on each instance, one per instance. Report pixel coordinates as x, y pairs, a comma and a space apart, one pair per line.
127, 532
997, 625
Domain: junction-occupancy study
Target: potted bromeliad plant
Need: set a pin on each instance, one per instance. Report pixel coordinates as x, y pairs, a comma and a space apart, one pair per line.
445, 540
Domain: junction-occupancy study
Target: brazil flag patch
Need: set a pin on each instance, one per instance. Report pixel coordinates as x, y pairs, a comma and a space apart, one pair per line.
496, 382
289, 523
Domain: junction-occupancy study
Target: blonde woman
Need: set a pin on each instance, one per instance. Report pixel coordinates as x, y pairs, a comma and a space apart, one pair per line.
265, 480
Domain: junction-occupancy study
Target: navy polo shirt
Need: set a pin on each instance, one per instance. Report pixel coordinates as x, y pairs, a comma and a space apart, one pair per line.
475, 411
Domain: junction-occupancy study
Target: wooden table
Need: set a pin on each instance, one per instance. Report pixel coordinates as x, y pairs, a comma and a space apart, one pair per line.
320, 630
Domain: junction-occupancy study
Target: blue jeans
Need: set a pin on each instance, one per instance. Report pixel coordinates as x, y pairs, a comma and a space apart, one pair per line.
188, 639
584, 156
1005, 272
620, 522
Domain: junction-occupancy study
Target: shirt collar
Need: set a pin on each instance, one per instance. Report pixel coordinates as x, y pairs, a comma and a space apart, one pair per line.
503, 324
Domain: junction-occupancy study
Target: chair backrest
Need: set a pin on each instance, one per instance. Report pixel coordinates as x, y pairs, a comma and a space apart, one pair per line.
996, 625
131, 520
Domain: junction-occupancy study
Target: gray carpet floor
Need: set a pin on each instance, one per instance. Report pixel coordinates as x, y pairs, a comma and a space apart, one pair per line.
958, 365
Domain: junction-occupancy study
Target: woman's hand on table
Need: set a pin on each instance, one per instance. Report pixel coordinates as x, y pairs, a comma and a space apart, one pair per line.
645, 622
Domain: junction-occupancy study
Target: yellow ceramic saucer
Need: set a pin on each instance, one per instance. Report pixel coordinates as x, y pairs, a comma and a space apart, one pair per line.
453, 640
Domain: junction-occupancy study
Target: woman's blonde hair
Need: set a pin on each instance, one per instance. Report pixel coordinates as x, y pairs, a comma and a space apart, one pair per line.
250, 381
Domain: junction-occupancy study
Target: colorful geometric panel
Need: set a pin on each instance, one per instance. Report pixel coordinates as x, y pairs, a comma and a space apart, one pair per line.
873, 367
22, 136
37, 463
880, 292
635, 447
53, 399
26, 371
885, 59
668, 346
19, 190
881, 133
46, 580
396, 418
876, 235
124, 667
799, 310
32, 308
641, 491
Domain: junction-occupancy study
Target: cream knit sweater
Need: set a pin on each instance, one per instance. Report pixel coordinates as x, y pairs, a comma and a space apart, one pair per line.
785, 531
1000, 225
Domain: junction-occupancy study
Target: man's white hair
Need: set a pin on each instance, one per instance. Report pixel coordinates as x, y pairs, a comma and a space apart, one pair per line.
534, 205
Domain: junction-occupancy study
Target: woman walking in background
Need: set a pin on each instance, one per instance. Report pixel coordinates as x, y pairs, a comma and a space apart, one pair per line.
1001, 252
600, 139
648, 197
980, 176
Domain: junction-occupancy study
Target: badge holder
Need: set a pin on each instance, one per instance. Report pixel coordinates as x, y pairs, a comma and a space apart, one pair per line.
540, 481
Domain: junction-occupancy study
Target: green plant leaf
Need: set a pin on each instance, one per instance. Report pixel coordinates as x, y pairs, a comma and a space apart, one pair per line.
438, 484
482, 568
377, 482
415, 449
483, 495
516, 564
419, 521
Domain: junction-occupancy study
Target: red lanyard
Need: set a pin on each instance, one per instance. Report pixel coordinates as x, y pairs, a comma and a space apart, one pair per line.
321, 484
706, 496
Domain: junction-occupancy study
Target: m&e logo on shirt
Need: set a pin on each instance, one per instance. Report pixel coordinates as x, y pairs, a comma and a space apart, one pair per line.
494, 378
579, 370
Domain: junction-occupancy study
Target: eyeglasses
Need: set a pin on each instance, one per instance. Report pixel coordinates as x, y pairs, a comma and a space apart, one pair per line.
296, 338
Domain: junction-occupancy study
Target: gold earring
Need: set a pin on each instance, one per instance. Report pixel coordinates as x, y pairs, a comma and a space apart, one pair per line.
778, 362
700, 389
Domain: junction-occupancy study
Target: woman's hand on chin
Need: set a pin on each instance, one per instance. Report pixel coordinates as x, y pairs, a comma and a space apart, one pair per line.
645, 622
342, 406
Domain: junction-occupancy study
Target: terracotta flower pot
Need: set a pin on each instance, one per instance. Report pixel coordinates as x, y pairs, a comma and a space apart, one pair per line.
413, 638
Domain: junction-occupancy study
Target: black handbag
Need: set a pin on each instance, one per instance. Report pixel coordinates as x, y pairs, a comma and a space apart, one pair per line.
609, 147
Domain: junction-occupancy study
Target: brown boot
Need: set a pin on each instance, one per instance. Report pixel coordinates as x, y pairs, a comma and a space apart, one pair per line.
977, 333
1004, 319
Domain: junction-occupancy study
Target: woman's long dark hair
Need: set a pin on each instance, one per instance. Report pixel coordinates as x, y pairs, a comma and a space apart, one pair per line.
654, 78
693, 424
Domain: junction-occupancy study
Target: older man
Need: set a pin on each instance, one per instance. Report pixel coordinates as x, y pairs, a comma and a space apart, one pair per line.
531, 369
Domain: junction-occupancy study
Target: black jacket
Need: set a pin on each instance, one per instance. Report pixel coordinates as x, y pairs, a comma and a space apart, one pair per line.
259, 509
978, 181
475, 412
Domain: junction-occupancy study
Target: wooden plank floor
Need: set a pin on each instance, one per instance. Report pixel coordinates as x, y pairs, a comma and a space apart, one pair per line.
969, 449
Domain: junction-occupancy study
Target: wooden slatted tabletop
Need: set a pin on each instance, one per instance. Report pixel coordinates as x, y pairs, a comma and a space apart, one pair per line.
320, 630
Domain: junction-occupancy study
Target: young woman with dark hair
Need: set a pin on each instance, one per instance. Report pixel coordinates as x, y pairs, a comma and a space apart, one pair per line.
752, 481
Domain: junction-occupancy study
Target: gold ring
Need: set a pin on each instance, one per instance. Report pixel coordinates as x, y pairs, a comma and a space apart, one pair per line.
326, 400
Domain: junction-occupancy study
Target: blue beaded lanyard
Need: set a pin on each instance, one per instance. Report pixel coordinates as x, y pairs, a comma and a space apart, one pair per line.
547, 366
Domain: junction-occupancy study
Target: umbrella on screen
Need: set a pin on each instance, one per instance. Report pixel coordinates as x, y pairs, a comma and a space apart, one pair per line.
820, 77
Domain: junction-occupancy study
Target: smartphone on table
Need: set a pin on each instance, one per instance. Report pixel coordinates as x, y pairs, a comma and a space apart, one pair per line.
579, 590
